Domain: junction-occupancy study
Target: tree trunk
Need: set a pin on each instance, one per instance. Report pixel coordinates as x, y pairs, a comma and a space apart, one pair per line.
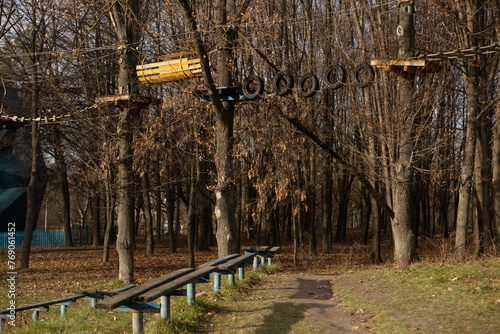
376, 256
191, 215
204, 205
148, 218
365, 215
326, 224
34, 183
344, 189
109, 221
402, 222
32, 195
125, 18
125, 222
311, 203
172, 238
96, 226
471, 87
495, 161
62, 176
227, 240
159, 213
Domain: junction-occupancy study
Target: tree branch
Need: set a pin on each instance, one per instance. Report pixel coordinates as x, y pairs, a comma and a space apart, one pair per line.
347, 165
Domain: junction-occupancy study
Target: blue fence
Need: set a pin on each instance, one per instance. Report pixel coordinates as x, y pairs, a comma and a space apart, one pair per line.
48, 238
81, 235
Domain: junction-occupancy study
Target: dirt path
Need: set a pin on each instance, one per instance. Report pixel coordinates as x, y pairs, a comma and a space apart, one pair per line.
315, 293
294, 304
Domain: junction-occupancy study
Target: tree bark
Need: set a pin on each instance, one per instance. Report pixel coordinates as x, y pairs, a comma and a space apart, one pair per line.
471, 87
109, 221
495, 161
125, 222
148, 218
192, 210
31, 193
159, 213
62, 176
402, 229
326, 225
96, 226
34, 183
125, 19
172, 237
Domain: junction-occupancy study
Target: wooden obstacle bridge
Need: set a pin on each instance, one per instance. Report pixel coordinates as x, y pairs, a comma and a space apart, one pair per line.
173, 67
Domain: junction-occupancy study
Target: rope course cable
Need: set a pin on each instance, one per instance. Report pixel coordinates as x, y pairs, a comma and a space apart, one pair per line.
43, 120
455, 54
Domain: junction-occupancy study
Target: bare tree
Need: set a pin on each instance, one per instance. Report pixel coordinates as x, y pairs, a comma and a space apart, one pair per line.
125, 18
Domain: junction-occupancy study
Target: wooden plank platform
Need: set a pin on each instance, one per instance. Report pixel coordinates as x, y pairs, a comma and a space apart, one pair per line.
126, 296
130, 101
59, 301
218, 261
234, 263
44, 304
172, 286
275, 250
419, 67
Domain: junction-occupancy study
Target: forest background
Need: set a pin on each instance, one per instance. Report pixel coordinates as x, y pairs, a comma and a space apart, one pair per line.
407, 156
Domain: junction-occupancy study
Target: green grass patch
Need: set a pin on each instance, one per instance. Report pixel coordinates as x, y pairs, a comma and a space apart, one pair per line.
453, 298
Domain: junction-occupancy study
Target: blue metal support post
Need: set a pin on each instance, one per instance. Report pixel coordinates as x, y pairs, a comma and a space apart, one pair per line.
63, 309
137, 323
191, 298
165, 307
216, 282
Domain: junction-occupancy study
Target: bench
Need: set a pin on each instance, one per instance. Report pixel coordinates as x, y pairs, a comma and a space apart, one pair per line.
63, 302
229, 269
218, 261
126, 296
262, 252
140, 299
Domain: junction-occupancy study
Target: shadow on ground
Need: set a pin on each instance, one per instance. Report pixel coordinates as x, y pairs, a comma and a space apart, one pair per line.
282, 318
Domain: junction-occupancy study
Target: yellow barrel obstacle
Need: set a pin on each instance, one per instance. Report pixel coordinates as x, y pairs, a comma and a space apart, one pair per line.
173, 67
